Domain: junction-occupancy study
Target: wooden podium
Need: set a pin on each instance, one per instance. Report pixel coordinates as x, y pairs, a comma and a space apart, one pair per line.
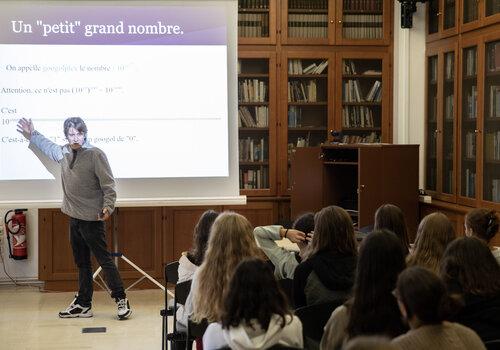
358, 177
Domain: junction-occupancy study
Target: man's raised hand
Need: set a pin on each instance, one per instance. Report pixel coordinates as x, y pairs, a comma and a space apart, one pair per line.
25, 127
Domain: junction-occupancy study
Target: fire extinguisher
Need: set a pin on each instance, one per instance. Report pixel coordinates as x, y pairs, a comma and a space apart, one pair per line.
15, 226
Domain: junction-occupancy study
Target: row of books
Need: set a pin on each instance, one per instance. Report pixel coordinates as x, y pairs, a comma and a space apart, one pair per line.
308, 4
349, 68
470, 62
449, 102
373, 137
470, 145
251, 150
299, 91
448, 182
449, 66
471, 103
433, 69
307, 25
296, 67
362, 27
492, 145
352, 92
253, 25
357, 117
252, 90
254, 178
494, 57
470, 183
362, 5
253, 4
294, 117
495, 190
432, 109
495, 101
258, 119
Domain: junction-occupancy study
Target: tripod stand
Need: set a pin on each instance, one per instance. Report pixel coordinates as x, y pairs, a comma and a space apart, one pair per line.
117, 254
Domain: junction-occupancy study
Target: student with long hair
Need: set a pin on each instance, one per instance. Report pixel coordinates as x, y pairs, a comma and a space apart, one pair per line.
425, 305
470, 271
391, 217
231, 240
373, 309
434, 234
483, 224
327, 271
255, 313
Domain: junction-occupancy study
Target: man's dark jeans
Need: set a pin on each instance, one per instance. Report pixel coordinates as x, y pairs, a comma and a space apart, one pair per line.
89, 237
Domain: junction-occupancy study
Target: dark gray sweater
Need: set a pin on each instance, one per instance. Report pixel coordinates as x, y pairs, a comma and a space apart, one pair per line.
88, 184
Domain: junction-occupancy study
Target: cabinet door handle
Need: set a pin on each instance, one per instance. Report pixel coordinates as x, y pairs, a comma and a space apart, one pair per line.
438, 14
340, 21
332, 21
477, 131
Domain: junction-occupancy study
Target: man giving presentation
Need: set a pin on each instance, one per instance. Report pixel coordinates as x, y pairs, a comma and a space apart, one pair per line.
89, 199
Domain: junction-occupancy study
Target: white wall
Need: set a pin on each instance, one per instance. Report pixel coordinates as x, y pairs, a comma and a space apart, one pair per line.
409, 112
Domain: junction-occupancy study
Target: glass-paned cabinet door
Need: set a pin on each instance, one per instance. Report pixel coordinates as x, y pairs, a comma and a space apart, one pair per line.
256, 21
469, 123
470, 11
362, 20
448, 98
432, 17
491, 146
361, 100
432, 125
449, 11
253, 123
307, 104
307, 21
492, 7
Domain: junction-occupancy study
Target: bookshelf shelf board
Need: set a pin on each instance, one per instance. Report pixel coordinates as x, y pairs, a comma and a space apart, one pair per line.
253, 75
492, 120
449, 80
246, 163
494, 74
472, 160
305, 128
308, 103
361, 129
319, 11
470, 77
493, 161
339, 163
251, 10
362, 76
307, 76
242, 129
253, 103
448, 120
361, 103
466, 119
362, 12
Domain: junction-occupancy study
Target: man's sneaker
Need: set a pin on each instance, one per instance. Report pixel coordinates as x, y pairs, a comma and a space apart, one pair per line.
76, 310
123, 308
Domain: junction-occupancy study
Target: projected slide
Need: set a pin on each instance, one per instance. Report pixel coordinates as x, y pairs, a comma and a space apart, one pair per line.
150, 81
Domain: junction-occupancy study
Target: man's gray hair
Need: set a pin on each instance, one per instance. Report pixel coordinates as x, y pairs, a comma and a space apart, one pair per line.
76, 123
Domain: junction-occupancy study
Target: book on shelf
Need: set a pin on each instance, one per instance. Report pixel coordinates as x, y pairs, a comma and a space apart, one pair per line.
294, 117
492, 146
495, 190
470, 183
253, 25
433, 70
357, 117
373, 137
295, 67
352, 92
470, 62
300, 92
252, 90
252, 150
362, 5
259, 119
362, 26
494, 57
307, 25
495, 101
308, 4
449, 102
450, 66
470, 145
254, 178
472, 103
253, 4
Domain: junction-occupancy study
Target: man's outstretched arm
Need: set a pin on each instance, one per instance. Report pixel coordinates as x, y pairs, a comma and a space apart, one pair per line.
49, 148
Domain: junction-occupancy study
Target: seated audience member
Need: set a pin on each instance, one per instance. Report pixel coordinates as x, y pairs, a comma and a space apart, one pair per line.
425, 305
483, 224
255, 313
284, 261
373, 309
370, 343
434, 234
470, 271
230, 242
327, 271
390, 217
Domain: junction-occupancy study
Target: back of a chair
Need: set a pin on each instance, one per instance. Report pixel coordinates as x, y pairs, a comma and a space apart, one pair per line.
171, 272
182, 291
314, 318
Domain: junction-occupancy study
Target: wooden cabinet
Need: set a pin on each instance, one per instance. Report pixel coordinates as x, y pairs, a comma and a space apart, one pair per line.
442, 18
257, 21
475, 14
359, 178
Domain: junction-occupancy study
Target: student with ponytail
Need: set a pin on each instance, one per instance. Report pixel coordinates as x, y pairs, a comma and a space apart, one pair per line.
425, 305
483, 224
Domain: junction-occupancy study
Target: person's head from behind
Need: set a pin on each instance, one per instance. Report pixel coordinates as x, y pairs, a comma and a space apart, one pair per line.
253, 294
482, 223
200, 236
333, 232
231, 240
380, 260
75, 131
434, 234
304, 223
422, 297
391, 217
468, 267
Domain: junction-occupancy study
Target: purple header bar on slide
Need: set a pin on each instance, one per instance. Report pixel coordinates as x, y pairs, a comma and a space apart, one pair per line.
120, 24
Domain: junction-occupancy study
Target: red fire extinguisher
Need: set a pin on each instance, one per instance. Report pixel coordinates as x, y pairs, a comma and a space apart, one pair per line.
16, 227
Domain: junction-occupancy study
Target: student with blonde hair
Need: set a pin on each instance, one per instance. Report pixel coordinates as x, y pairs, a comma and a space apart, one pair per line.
483, 224
434, 234
231, 241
